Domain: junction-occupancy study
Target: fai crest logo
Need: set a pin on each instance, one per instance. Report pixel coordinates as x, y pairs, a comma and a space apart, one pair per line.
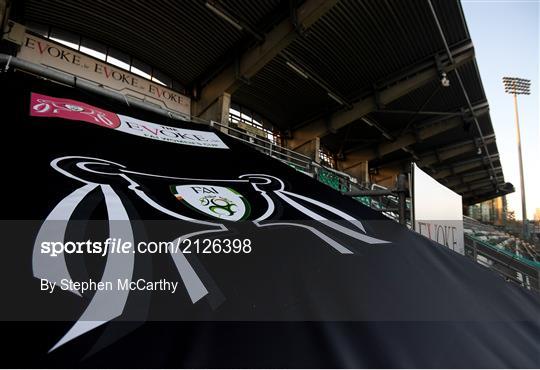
216, 201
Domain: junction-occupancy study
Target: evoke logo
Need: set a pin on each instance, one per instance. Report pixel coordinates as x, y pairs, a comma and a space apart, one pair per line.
161, 131
48, 106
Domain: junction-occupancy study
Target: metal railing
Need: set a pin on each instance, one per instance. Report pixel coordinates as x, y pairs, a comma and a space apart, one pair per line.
297, 160
500, 237
519, 271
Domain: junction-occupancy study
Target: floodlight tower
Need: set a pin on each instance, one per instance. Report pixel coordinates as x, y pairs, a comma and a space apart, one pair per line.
519, 86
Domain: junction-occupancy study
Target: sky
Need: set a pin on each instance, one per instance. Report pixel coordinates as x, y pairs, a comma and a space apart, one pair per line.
505, 34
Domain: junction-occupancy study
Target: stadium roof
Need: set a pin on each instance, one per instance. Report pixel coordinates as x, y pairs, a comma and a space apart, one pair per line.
364, 76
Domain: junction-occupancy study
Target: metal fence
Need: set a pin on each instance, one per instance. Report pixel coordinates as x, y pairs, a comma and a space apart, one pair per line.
513, 269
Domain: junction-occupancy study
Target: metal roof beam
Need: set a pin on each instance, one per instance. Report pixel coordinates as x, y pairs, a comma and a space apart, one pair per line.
451, 151
464, 166
487, 182
461, 84
479, 105
353, 158
255, 59
470, 177
454, 170
480, 195
408, 83
443, 154
497, 169
426, 159
471, 160
310, 74
423, 112
473, 199
460, 180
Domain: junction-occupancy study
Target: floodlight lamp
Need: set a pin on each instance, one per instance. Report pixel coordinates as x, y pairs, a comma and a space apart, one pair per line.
445, 82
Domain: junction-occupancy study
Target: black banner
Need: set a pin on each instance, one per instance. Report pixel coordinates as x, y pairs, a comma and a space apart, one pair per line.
131, 240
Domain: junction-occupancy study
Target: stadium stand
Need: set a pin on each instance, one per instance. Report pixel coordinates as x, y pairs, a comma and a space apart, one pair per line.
500, 239
407, 290
373, 85
513, 258
498, 250
500, 242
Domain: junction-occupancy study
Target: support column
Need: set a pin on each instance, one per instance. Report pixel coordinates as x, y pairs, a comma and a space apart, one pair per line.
357, 169
4, 13
311, 149
386, 176
317, 144
219, 111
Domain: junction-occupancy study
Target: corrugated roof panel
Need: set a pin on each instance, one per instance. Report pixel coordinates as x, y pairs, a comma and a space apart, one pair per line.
287, 97
250, 11
352, 48
182, 39
358, 43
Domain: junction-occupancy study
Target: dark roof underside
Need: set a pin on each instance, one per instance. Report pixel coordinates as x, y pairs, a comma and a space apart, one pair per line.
355, 48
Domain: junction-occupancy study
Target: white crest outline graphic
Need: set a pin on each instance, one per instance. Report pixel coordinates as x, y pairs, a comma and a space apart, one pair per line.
56, 269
